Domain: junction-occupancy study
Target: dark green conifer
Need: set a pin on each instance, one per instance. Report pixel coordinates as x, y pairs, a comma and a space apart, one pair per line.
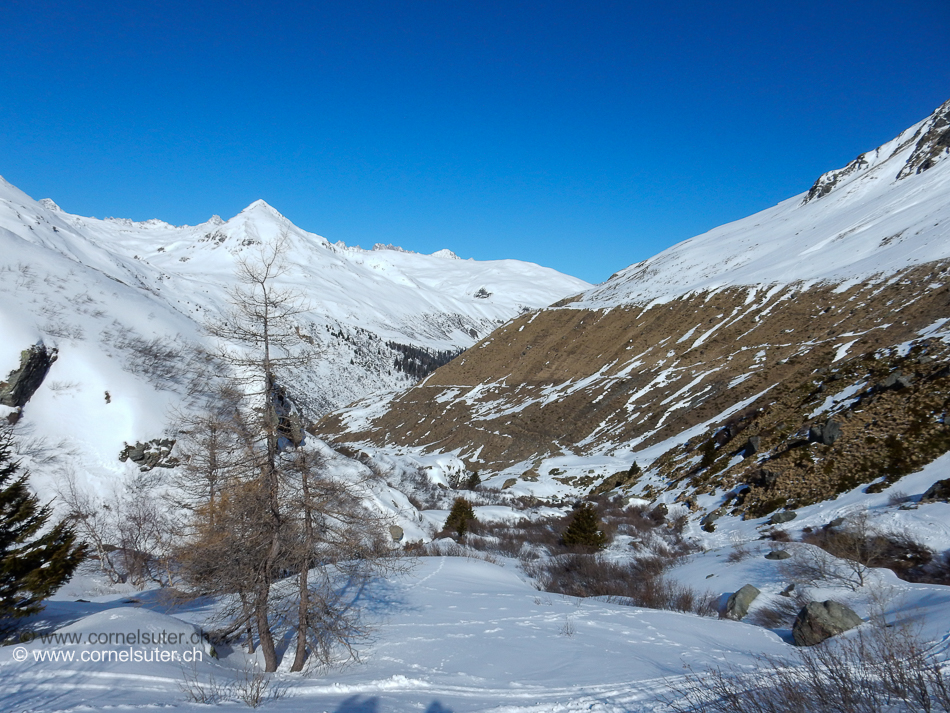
460, 517
584, 529
32, 565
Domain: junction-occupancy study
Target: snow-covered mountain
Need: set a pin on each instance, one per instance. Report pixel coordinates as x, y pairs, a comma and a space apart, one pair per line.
124, 303
884, 211
831, 305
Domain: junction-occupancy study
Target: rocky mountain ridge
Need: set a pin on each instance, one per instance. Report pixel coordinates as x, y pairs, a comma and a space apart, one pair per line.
763, 329
124, 303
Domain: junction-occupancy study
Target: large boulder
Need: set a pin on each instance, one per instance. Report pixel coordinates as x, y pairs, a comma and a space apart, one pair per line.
737, 606
896, 380
781, 518
818, 621
23, 382
826, 434
752, 446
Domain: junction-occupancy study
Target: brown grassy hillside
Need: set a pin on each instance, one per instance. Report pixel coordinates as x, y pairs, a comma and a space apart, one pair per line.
580, 381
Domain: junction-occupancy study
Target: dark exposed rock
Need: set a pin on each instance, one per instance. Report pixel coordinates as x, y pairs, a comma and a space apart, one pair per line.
723, 436
738, 497
764, 478
818, 621
23, 382
752, 447
708, 523
659, 513
783, 517
151, 454
826, 434
933, 143
778, 555
396, 533
738, 603
938, 492
896, 380
827, 181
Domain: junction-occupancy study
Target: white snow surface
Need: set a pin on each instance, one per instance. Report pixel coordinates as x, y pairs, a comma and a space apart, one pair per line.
870, 223
97, 290
455, 634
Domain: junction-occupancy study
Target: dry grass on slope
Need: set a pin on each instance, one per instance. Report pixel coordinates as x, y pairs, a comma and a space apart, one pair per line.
575, 380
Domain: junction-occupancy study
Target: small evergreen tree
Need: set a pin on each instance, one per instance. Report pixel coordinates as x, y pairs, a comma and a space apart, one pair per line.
584, 529
32, 566
460, 516
473, 481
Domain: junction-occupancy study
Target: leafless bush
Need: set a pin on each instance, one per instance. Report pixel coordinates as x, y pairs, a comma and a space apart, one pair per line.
131, 533
256, 688
63, 330
781, 611
740, 549
210, 692
859, 545
878, 670
60, 386
898, 497
638, 583
253, 688
777, 535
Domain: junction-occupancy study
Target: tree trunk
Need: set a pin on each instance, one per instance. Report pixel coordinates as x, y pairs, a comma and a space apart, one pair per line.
302, 621
303, 617
265, 636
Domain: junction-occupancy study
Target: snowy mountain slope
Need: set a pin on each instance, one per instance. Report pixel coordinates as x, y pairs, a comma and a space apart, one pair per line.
881, 213
125, 304
766, 327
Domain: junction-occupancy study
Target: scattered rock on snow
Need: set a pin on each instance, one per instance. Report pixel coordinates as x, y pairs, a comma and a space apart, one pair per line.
151, 454
818, 621
708, 523
783, 517
778, 555
396, 533
738, 603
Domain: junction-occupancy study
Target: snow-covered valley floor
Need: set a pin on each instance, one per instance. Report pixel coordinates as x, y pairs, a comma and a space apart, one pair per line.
453, 634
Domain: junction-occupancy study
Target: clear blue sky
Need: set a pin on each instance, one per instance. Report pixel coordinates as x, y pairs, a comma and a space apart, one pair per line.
580, 135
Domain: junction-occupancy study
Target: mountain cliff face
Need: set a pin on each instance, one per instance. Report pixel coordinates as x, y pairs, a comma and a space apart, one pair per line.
720, 362
125, 304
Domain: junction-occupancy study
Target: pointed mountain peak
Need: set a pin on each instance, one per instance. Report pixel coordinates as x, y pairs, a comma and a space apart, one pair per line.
262, 206
50, 204
446, 253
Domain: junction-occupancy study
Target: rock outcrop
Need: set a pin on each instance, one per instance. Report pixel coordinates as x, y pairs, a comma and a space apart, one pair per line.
938, 492
156, 453
22, 383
